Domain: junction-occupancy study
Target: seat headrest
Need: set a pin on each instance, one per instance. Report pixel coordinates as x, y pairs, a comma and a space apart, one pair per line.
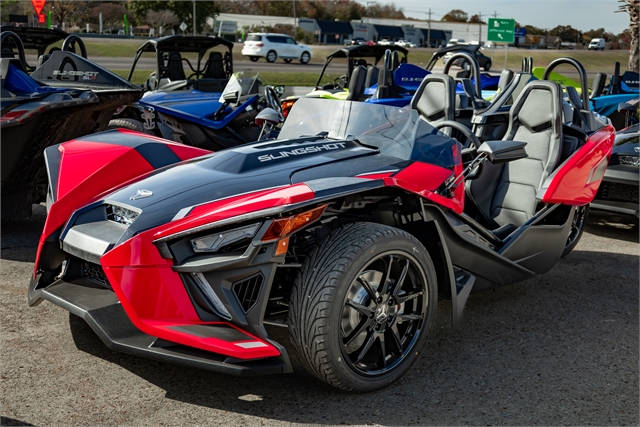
356, 83
435, 98
505, 78
538, 106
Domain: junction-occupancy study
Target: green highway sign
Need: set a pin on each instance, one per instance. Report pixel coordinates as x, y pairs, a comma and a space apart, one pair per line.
501, 30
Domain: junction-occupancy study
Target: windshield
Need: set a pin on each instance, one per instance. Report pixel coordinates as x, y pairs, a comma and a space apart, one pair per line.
396, 132
245, 83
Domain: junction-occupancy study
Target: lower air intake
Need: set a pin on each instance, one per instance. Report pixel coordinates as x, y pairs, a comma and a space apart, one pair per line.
247, 291
618, 192
95, 273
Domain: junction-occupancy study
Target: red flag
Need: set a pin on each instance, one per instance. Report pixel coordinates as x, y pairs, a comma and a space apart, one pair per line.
38, 5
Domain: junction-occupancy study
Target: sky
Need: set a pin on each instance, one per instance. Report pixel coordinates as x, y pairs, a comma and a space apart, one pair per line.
580, 14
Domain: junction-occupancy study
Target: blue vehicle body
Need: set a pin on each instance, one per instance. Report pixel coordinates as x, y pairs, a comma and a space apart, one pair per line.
195, 106
407, 78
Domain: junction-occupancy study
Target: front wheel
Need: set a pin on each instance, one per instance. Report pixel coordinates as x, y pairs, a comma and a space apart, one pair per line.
487, 66
578, 223
362, 306
126, 124
272, 56
305, 58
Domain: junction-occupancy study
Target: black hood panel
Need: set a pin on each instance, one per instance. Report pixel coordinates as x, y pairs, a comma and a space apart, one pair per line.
231, 172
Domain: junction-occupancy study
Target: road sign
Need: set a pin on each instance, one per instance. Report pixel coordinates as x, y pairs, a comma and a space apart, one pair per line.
38, 5
183, 26
501, 30
225, 27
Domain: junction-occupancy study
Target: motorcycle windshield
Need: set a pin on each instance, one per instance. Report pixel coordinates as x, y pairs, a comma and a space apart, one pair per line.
396, 132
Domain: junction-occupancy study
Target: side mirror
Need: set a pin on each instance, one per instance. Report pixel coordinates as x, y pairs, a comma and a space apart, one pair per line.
502, 151
279, 90
626, 108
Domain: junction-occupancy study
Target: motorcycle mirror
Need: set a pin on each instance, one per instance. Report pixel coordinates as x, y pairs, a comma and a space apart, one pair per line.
626, 108
268, 115
279, 90
502, 151
267, 118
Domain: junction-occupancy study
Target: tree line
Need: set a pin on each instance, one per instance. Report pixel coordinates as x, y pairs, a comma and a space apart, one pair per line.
169, 14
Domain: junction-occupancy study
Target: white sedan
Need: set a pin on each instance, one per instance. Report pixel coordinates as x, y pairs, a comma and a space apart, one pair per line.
404, 43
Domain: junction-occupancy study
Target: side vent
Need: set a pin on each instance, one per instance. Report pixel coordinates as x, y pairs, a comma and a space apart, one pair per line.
247, 291
95, 273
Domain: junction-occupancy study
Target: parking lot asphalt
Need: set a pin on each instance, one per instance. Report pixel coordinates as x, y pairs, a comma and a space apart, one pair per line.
560, 349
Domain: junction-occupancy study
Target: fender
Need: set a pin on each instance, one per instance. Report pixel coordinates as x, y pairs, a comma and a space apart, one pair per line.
82, 170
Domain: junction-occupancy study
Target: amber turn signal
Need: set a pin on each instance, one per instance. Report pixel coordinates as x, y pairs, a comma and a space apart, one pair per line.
283, 227
283, 246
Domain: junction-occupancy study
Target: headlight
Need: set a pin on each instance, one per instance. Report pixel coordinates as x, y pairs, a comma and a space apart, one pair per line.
629, 160
122, 215
213, 242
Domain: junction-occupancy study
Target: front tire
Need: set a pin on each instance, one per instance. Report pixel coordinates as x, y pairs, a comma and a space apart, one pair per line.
126, 124
578, 223
272, 56
305, 58
362, 306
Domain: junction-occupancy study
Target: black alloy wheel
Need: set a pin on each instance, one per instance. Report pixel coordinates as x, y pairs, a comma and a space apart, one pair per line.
383, 313
362, 305
578, 224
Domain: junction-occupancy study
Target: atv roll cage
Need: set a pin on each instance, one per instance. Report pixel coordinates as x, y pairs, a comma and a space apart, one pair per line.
40, 39
358, 55
210, 75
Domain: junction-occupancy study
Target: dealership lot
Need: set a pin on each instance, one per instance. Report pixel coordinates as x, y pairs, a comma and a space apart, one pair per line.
561, 348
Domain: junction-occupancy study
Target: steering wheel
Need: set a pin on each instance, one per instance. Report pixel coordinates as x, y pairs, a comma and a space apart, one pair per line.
474, 142
16, 40
69, 45
467, 149
273, 101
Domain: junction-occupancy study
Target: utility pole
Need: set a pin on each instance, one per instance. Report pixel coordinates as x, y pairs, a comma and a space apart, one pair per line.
194, 17
295, 21
429, 31
493, 44
480, 28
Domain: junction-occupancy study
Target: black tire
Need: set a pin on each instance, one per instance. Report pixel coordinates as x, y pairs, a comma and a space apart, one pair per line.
271, 56
319, 303
578, 223
254, 58
288, 60
126, 124
487, 66
305, 58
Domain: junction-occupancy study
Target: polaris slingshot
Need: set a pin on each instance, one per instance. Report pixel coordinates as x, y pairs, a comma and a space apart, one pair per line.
346, 229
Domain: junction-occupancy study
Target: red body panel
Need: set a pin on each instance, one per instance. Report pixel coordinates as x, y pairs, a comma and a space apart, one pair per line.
424, 179
574, 183
88, 170
234, 206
